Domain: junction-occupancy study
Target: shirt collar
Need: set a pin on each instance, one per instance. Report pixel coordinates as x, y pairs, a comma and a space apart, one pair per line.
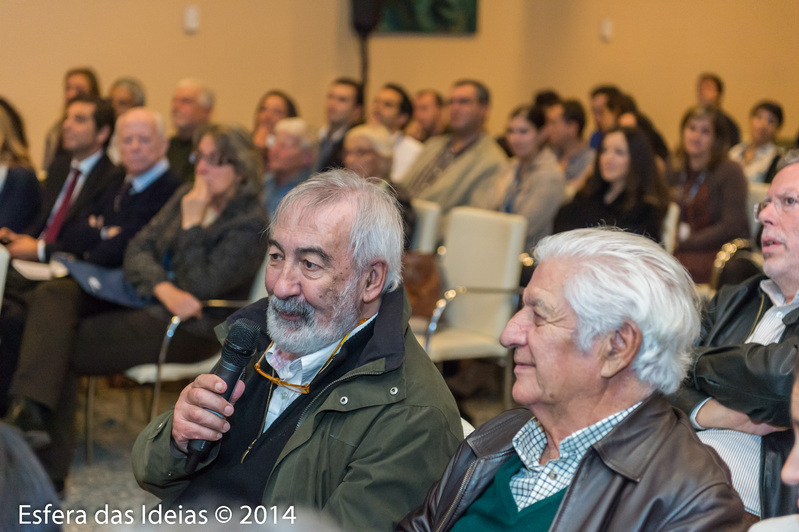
144, 180
85, 166
307, 366
530, 441
770, 288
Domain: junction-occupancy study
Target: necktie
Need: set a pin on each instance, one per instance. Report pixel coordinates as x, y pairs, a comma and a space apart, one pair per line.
123, 192
51, 233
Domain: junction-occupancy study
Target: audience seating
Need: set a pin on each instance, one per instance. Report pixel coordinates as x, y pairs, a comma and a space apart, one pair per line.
670, 224
480, 263
159, 372
428, 215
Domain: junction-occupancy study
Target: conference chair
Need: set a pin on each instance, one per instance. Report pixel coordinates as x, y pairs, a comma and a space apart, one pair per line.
428, 215
157, 373
481, 266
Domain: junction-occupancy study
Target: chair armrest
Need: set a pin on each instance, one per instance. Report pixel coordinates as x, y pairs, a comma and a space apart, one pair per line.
450, 295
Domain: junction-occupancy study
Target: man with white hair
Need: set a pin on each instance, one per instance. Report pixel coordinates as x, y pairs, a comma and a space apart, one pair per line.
740, 383
291, 160
343, 412
192, 105
604, 333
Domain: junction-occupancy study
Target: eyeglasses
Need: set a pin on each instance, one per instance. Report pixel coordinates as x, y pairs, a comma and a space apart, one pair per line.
211, 159
783, 205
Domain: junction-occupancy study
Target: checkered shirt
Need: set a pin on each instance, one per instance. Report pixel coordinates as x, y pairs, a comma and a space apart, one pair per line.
535, 482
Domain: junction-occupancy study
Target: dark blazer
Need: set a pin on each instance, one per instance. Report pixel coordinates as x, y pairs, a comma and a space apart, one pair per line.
20, 199
130, 213
103, 175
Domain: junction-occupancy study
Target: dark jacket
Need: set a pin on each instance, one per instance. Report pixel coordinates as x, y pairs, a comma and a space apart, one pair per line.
649, 473
751, 378
130, 213
365, 450
20, 198
102, 176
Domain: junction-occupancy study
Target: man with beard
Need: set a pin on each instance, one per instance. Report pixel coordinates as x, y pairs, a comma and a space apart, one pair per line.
340, 409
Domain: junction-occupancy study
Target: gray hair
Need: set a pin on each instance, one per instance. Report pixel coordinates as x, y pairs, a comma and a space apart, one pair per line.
790, 157
377, 230
206, 96
620, 277
297, 127
156, 116
134, 87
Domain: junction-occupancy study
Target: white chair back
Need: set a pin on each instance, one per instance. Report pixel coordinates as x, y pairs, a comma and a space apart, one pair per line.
4, 258
482, 251
428, 216
670, 223
757, 193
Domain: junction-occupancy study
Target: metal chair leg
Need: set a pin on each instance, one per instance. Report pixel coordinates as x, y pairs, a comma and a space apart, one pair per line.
91, 388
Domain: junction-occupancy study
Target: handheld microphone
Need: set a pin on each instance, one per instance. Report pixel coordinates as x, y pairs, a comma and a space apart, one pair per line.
236, 353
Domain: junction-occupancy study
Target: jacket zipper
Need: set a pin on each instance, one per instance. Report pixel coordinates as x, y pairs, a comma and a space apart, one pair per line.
304, 412
466, 477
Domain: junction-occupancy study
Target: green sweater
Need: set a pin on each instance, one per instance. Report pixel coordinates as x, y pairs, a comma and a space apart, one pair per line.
495, 509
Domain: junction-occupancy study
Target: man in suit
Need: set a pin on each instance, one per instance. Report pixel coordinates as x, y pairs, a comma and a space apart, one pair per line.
72, 186
344, 108
192, 105
451, 168
122, 212
149, 182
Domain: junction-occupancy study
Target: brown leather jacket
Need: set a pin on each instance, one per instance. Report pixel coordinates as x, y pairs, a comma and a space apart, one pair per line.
649, 473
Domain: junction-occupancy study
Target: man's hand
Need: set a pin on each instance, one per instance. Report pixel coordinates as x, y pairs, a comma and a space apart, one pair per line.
192, 419
177, 301
23, 247
714, 415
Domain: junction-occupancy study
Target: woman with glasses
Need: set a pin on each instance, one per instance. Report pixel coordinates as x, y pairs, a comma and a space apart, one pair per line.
206, 243
711, 191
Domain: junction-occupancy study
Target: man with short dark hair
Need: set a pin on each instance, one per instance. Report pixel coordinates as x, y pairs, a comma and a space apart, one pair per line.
72, 185
341, 411
740, 381
605, 107
428, 116
565, 122
344, 109
710, 91
392, 108
192, 105
451, 168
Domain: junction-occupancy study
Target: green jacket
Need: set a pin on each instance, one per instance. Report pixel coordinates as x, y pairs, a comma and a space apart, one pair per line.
366, 450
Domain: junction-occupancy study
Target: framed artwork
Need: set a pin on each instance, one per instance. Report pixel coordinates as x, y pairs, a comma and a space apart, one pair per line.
449, 17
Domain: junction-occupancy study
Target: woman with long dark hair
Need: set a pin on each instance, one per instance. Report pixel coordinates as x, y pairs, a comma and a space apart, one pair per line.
625, 190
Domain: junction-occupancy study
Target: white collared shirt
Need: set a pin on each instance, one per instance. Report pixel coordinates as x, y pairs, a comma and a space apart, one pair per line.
740, 450
301, 370
85, 166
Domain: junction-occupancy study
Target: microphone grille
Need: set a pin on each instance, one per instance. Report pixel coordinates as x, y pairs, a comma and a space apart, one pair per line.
243, 336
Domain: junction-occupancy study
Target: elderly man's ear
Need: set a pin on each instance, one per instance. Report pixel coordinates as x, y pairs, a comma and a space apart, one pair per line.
375, 279
620, 349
